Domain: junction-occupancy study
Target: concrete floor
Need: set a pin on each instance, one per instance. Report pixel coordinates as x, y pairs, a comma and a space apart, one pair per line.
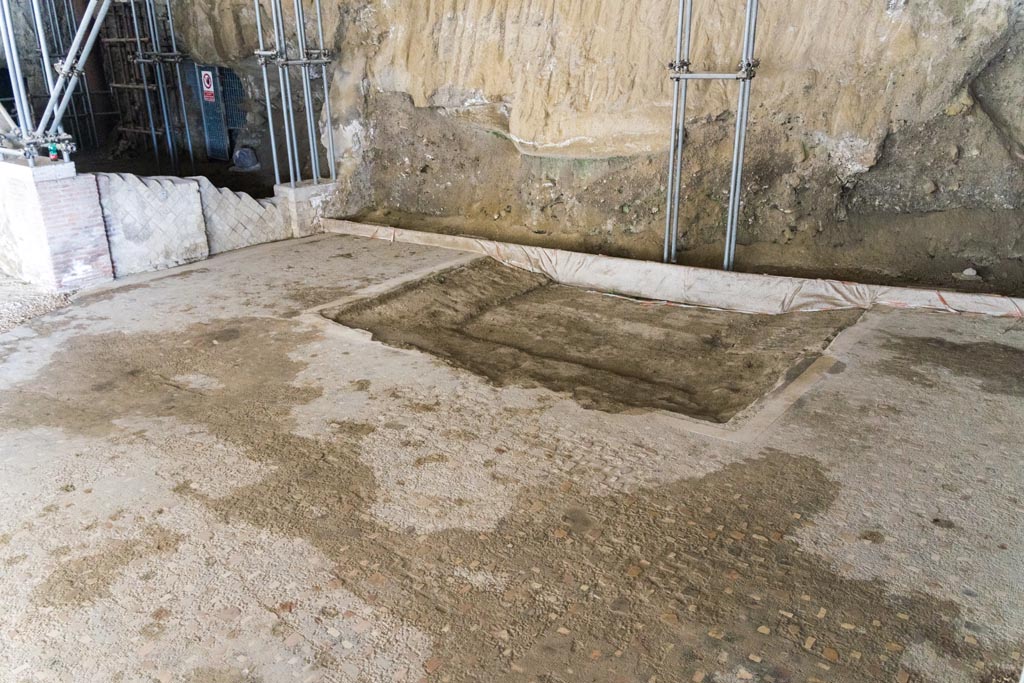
202, 479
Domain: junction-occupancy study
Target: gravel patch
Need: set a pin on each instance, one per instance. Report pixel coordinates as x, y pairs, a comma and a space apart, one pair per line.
20, 301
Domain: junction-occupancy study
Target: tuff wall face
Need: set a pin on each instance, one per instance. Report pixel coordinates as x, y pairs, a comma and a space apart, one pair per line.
885, 136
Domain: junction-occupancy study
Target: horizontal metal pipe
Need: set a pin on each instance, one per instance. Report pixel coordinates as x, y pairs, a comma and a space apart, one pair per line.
692, 76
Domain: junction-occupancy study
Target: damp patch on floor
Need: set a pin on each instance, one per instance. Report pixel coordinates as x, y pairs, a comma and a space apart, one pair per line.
610, 353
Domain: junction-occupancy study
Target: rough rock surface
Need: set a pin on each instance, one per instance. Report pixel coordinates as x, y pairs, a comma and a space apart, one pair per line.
548, 121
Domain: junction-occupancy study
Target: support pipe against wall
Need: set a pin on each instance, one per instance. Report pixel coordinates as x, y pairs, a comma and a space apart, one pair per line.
44, 56
72, 29
683, 66
681, 75
742, 116
262, 56
72, 24
307, 97
287, 85
67, 68
670, 209
331, 160
58, 41
284, 76
79, 64
44, 46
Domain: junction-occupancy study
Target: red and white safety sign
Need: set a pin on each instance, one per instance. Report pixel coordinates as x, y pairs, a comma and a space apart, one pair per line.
209, 94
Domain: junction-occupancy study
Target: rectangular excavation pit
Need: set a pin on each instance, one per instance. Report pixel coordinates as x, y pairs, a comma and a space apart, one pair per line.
614, 354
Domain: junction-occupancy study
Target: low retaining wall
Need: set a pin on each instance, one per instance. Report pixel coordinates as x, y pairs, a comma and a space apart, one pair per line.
743, 292
161, 222
63, 231
152, 223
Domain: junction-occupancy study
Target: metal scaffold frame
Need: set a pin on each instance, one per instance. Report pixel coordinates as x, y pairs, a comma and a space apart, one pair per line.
312, 64
681, 75
61, 26
26, 136
135, 42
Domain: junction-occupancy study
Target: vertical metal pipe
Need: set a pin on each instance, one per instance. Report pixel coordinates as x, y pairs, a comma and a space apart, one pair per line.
281, 83
181, 87
286, 93
44, 46
24, 107
307, 97
670, 207
681, 140
5, 38
145, 83
266, 95
161, 82
331, 159
742, 116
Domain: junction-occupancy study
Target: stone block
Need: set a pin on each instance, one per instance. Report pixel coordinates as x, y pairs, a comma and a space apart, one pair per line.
152, 223
235, 219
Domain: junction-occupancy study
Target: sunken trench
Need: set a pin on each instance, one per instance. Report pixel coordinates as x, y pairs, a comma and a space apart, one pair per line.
610, 353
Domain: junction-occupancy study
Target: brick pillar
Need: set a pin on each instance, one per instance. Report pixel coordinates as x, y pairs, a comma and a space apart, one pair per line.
51, 226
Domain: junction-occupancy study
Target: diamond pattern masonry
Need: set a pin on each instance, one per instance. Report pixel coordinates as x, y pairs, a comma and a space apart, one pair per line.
152, 223
235, 219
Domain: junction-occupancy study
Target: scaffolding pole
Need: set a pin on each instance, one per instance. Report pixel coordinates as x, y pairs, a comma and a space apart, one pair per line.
266, 93
681, 74
145, 83
331, 163
176, 57
71, 24
21, 101
156, 58
311, 62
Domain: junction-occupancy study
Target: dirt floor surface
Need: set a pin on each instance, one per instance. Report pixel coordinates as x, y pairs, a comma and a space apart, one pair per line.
203, 479
610, 353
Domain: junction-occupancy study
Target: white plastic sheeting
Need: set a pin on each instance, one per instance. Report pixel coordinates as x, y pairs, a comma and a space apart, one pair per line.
744, 292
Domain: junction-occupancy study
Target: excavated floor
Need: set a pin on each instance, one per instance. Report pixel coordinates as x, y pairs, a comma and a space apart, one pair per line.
203, 479
518, 328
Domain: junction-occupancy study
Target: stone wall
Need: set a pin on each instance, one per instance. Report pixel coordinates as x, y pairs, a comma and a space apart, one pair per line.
152, 223
64, 231
874, 123
160, 222
234, 220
